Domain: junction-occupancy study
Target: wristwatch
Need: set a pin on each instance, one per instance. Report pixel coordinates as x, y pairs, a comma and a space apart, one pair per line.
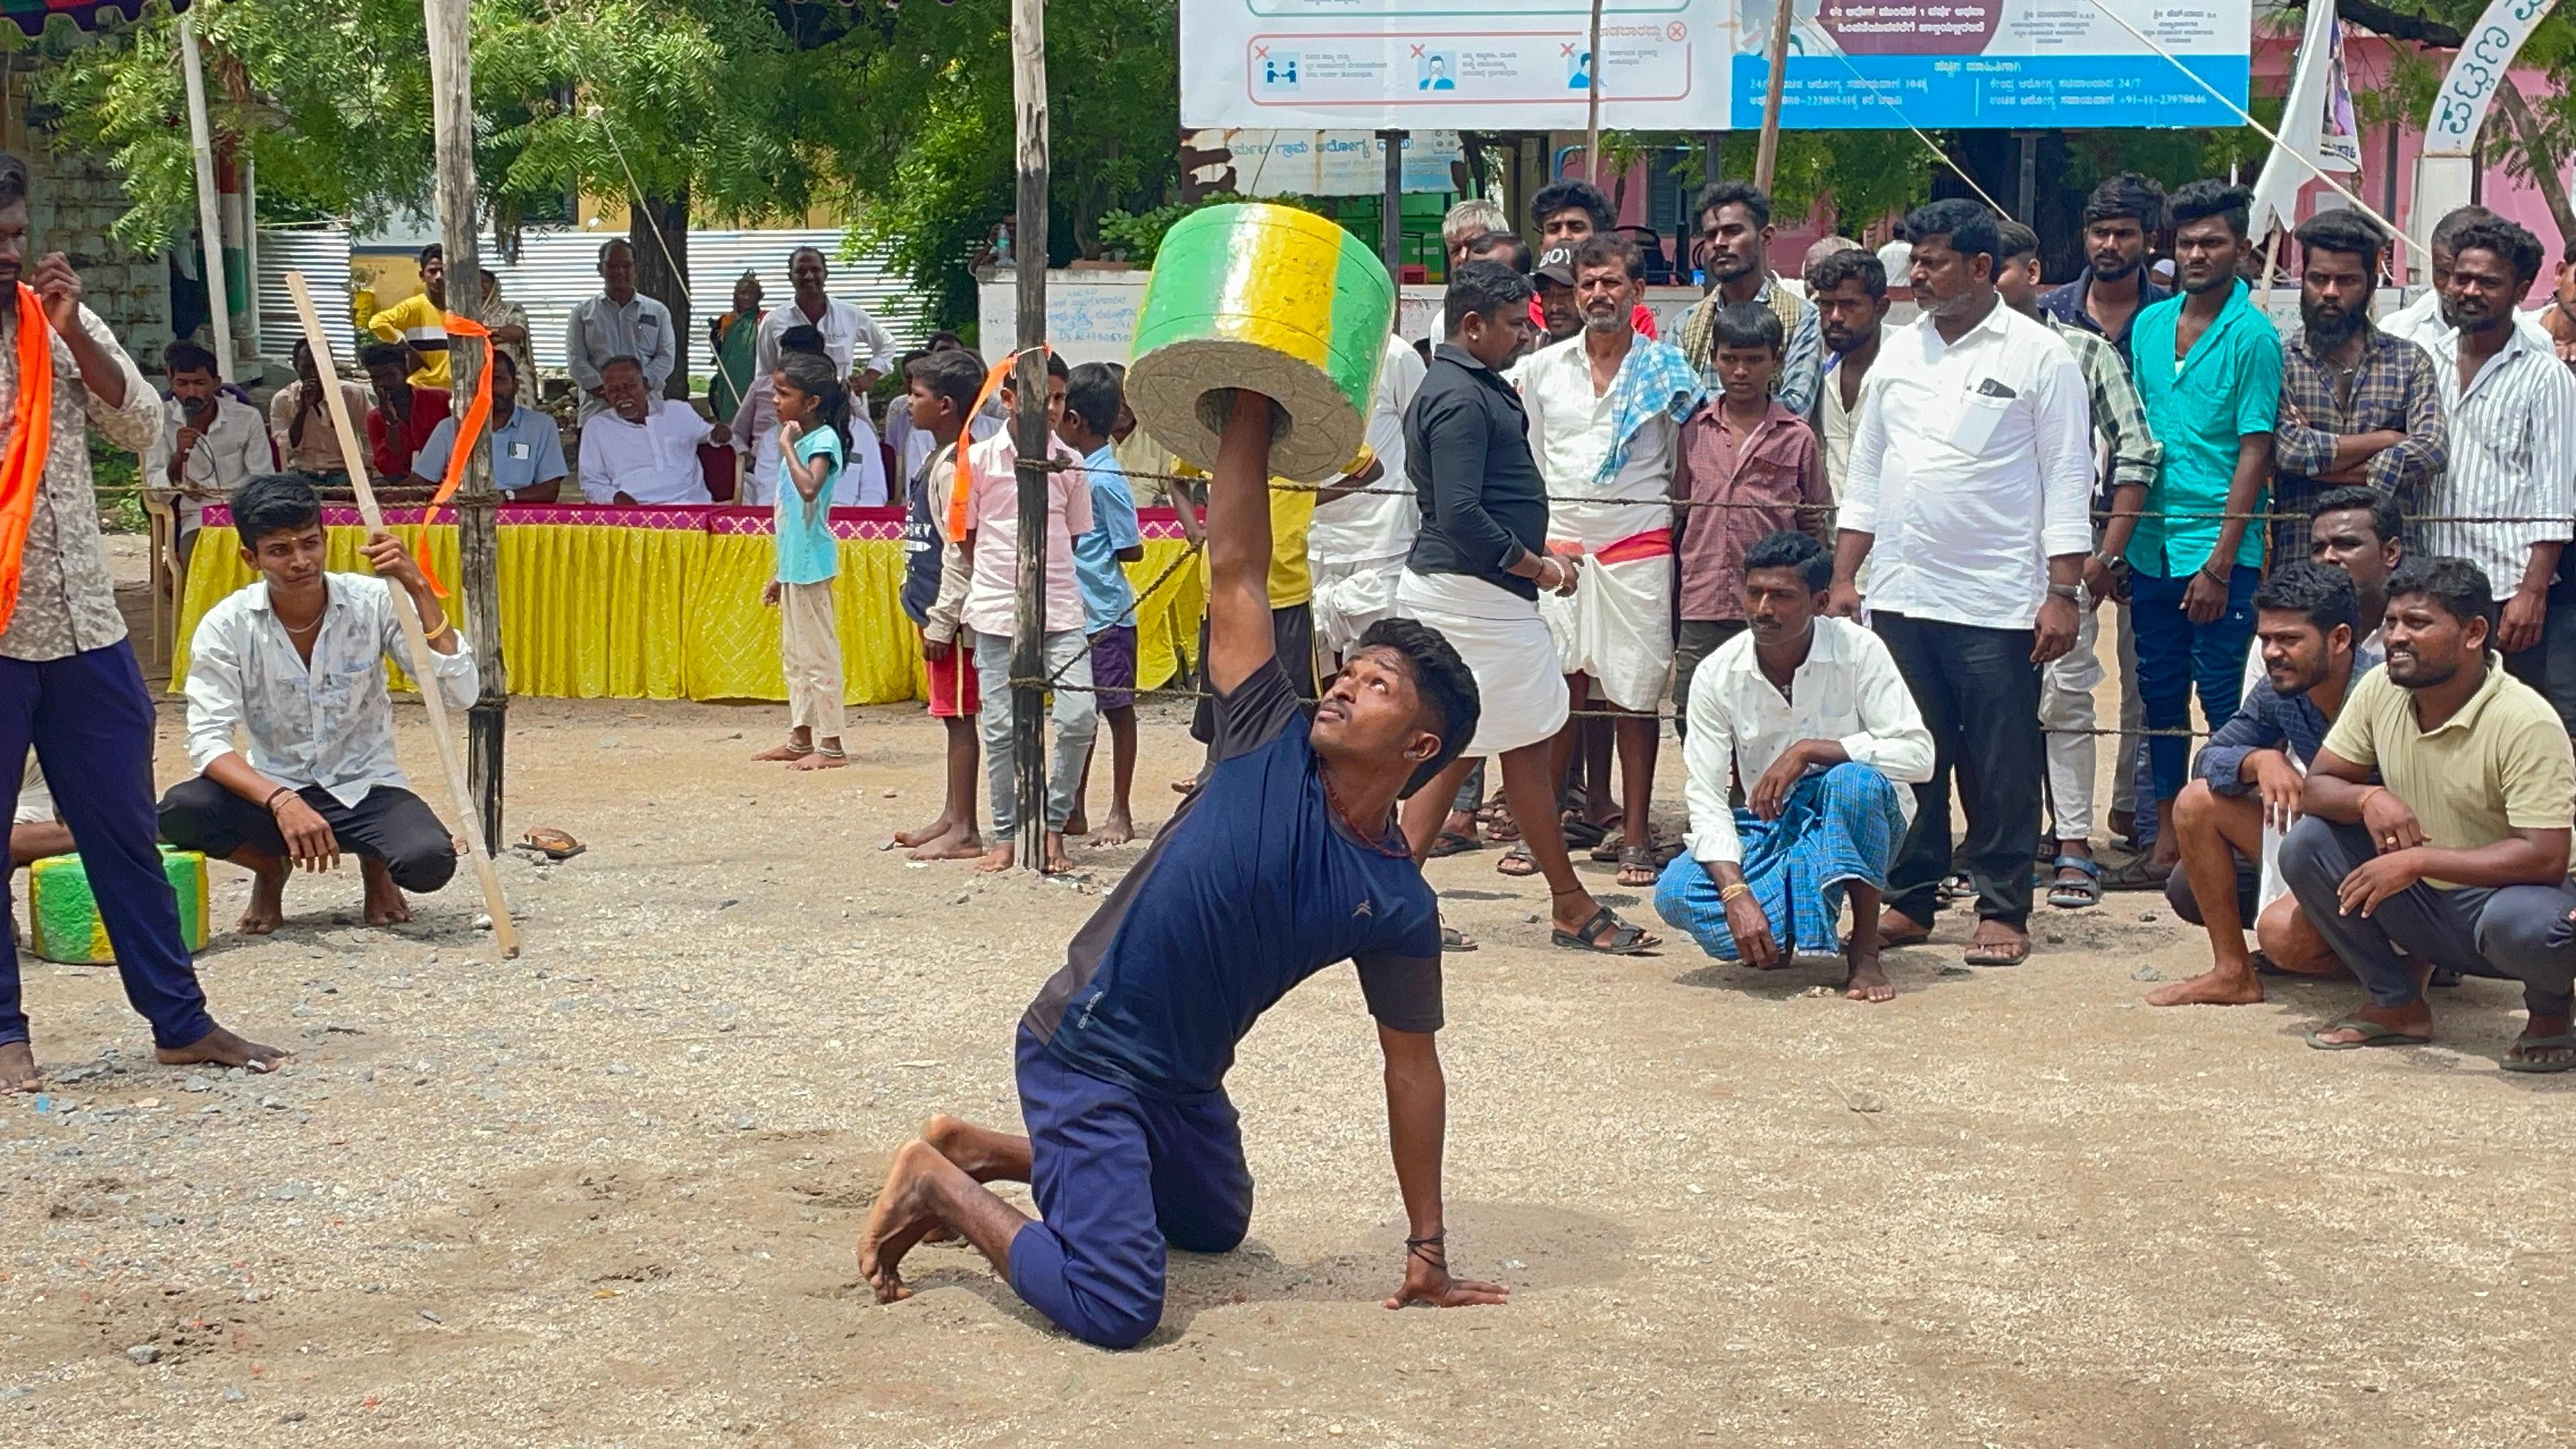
2067, 591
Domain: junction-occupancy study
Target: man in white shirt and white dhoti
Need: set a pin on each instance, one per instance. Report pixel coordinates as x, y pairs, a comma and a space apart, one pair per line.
1365, 521
294, 664
644, 449
857, 342
1811, 715
1969, 497
1605, 407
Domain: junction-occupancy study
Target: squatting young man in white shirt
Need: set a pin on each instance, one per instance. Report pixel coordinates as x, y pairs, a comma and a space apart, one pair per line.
294, 662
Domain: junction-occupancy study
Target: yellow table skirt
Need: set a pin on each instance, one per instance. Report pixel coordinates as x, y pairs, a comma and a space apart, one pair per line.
650, 610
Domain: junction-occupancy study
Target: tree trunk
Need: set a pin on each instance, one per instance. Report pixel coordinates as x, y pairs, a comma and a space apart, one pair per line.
2535, 151
658, 227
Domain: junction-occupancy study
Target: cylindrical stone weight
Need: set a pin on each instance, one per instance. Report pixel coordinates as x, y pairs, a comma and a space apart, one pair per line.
1274, 300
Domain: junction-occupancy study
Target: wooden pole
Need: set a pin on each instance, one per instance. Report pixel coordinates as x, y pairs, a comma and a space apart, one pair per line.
1029, 434
1390, 227
210, 211
353, 456
1766, 157
478, 545
1592, 101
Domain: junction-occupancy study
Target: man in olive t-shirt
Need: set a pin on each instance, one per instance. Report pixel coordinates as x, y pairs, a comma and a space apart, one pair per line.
2460, 857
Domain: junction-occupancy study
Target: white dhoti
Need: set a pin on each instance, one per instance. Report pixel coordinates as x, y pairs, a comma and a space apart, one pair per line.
1349, 597
1520, 678
1618, 628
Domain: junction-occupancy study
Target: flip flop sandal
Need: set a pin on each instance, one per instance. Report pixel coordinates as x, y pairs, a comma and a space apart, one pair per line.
1454, 941
2372, 1035
2074, 895
1582, 834
2136, 875
1449, 842
1637, 858
1991, 956
2512, 1063
1517, 862
1499, 824
1624, 939
551, 843
1954, 887
1611, 844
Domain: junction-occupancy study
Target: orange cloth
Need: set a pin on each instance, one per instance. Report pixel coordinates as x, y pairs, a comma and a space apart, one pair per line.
31, 439
469, 430
965, 474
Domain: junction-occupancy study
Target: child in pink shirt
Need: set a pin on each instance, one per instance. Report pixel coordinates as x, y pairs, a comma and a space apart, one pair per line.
992, 548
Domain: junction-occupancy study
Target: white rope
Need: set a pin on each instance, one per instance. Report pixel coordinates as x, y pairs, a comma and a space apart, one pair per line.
1874, 94
679, 274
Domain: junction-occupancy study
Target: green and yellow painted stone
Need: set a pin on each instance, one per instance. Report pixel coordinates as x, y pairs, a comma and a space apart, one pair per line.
62, 916
1280, 301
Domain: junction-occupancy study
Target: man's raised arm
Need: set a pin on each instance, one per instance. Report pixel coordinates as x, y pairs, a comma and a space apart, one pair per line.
1238, 546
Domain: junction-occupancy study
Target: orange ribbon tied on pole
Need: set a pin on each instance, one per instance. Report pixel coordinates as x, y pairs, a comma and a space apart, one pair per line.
31, 439
965, 473
469, 430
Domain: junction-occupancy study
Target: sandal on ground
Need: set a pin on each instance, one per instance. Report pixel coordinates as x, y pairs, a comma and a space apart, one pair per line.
1499, 825
1611, 847
2512, 1063
1454, 941
2372, 1035
1581, 834
2076, 894
1637, 867
1450, 842
1996, 955
1623, 940
1954, 887
551, 843
1517, 862
2141, 874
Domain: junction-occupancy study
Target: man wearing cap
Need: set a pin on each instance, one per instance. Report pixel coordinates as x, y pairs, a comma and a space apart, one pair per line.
1559, 318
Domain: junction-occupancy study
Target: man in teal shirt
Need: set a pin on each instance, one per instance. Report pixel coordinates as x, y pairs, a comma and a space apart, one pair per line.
2209, 372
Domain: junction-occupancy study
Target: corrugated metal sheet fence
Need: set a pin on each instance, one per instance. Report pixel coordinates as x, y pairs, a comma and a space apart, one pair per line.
322, 254
557, 270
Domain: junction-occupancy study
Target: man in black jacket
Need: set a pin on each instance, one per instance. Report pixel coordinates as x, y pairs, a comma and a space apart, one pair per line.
1474, 575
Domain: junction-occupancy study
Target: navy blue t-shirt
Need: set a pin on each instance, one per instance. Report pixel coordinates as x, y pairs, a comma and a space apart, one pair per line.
1251, 888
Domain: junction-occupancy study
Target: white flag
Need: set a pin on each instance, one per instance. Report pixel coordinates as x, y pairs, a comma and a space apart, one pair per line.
2317, 131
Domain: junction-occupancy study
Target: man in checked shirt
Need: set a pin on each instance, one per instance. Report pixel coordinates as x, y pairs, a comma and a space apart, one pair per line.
2358, 406
68, 681
2067, 683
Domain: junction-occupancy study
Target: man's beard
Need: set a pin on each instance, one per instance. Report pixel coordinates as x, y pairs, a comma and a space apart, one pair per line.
2452, 317
2216, 281
1613, 319
2120, 269
1743, 267
2333, 327
2409, 670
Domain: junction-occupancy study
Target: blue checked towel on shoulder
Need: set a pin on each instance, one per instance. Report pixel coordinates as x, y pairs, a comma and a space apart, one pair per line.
1839, 826
1656, 379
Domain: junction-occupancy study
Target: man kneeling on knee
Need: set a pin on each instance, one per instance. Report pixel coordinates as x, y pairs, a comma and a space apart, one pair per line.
1811, 713
294, 662
2307, 627
2460, 857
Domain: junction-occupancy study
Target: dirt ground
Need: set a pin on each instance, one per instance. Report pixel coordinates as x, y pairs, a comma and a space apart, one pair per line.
606, 1193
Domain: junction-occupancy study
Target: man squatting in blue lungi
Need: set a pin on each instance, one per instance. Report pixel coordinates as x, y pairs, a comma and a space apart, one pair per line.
1812, 712
1284, 861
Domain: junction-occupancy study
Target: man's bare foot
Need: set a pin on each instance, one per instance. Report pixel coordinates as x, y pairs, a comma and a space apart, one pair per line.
1116, 830
267, 909
781, 754
2217, 986
2544, 1046
1895, 928
385, 903
1001, 857
819, 760
1057, 861
220, 1048
958, 844
900, 1219
1866, 980
1077, 824
18, 1068
1185, 784
920, 836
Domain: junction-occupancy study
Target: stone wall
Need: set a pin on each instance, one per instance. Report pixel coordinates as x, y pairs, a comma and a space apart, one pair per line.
75, 199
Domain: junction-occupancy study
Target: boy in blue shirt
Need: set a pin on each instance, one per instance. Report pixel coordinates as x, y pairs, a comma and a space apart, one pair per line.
1286, 861
1092, 397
